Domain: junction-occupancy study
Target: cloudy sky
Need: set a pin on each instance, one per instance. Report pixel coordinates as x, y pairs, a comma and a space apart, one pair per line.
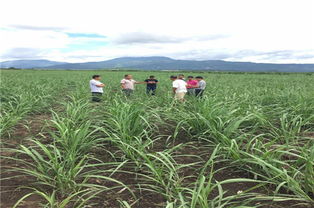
278, 31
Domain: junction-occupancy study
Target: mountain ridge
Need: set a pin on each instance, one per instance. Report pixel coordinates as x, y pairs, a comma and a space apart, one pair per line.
30, 63
162, 63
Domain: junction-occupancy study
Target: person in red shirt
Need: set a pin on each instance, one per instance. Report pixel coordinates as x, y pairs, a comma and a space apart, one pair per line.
191, 85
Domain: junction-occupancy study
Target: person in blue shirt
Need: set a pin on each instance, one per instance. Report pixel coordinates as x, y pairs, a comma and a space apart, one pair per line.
151, 85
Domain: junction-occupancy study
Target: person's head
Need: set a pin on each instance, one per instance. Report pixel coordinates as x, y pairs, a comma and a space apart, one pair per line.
152, 77
181, 76
190, 77
96, 77
173, 77
198, 78
128, 76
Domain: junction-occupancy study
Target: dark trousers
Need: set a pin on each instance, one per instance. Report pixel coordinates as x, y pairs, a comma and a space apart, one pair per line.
199, 92
96, 96
127, 92
150, 90
191, 91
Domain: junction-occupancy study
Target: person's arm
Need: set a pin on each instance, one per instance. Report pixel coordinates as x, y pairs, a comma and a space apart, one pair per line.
188, 85
151, 82
174, 87
193, 85
97, 83
100, 85
139, 82
122, 84
204, 85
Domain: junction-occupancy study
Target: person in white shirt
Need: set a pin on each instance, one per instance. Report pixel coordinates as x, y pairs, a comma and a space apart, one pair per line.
201, 86
96, 88
179, 88
127, 84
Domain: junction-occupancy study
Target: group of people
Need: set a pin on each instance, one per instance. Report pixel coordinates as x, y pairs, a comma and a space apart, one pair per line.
180, 86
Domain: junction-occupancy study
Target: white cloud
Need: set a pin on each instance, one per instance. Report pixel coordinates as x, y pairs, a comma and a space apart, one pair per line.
194, 29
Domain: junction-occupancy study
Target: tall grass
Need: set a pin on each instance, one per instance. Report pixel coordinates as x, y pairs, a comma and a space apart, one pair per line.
64, 169
258, 124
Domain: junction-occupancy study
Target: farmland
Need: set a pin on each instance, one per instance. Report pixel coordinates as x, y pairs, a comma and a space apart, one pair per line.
248, 143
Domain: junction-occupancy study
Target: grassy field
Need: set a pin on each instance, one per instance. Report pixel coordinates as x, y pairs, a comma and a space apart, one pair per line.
248, 143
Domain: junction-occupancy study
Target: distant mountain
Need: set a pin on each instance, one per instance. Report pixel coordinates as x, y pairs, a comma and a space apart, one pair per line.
145, 63
164, 63
26, 64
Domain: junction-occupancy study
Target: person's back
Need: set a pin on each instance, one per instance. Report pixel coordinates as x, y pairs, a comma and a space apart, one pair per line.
180, 85
179, 88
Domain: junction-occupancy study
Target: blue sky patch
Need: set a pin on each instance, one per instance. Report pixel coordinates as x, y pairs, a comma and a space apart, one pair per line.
85, 35
85, 45
93, 41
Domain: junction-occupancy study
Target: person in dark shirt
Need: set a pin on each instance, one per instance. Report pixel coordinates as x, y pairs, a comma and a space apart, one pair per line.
151, 85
